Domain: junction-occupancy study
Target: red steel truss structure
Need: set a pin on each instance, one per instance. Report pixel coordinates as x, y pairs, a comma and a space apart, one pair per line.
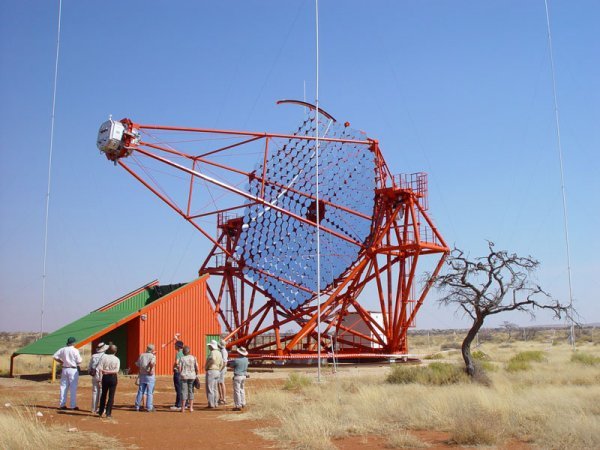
386, 270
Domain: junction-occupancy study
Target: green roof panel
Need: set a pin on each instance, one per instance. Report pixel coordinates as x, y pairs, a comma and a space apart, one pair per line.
81, 329
93, 323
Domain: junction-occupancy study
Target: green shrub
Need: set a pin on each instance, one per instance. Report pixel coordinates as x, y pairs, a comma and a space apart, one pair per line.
435, 356
486, 366
517, 366
585, 358
402, 374
480, 356
297, 381
442, 373
521, 361
529, 356
435, 374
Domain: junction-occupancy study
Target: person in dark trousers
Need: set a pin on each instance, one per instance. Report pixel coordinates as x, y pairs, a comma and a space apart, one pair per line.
108, 368
177, 376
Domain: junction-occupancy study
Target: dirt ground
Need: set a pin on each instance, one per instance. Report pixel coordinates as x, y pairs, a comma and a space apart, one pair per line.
161, 429
166, 429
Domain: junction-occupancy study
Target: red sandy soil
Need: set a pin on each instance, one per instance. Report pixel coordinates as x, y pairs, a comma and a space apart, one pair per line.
166, 429
203, 428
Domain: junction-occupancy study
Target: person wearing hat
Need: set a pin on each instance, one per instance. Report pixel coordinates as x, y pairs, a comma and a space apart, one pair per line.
240, 373
146, 363
108, 367
96, 380
70, 359
213, 366
177, 376
221, 384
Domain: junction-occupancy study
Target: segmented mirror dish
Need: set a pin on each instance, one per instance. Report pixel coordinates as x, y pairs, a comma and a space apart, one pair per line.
279, 251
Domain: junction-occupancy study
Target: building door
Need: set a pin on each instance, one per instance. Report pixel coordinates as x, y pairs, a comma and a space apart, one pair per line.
118, 336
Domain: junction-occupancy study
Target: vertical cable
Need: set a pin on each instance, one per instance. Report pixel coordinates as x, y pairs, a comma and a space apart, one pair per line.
318, 216
50, 171
562, 179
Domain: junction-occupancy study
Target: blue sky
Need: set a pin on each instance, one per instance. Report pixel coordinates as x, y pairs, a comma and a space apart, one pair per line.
461, 90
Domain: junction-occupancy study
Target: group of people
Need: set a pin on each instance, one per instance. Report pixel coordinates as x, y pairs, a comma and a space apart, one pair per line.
186, 376
104, 367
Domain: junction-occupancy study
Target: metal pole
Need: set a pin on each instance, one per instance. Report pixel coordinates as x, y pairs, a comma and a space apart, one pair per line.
53, 379
562, 182
50, 172
317, 196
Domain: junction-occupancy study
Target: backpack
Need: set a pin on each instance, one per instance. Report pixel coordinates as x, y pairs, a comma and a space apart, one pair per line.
92, 368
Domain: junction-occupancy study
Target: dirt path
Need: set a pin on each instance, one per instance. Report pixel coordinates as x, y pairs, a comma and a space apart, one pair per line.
161, 429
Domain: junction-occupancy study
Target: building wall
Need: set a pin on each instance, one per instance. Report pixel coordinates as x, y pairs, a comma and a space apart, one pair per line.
186, 311
355, 322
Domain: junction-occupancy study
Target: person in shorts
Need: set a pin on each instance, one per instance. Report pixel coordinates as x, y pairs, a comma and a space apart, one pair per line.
221, 384
188, 371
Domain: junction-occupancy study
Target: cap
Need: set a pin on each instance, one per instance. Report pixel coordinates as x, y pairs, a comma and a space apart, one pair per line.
71, 340
179, 344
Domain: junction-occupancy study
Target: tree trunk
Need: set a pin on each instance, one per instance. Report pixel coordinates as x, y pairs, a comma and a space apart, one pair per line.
466, 346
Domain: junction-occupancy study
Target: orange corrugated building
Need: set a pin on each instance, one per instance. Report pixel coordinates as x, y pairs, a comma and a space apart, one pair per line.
152, 314
184, 312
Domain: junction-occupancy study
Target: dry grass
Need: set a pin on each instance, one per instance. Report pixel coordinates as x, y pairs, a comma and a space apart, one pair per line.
405, 440
297, 381
555, 404
27, 364
22, 429
585, 358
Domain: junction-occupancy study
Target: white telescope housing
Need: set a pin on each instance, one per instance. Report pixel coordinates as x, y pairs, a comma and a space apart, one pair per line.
110, 136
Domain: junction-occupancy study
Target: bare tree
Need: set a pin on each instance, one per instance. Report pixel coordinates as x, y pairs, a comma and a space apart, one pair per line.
509, 327
493, 284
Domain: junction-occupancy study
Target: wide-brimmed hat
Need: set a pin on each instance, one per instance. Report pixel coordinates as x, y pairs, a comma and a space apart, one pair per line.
101, 347
71, 340
242, 351
150, 348
213, 344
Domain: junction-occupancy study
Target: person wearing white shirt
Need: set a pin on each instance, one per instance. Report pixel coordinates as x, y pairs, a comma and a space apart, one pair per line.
96, 380
70, 360
108, 367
